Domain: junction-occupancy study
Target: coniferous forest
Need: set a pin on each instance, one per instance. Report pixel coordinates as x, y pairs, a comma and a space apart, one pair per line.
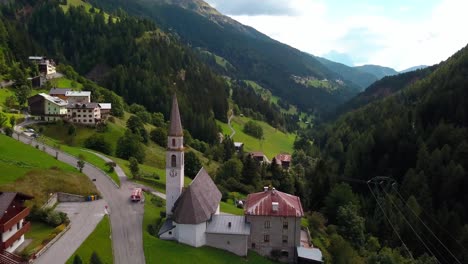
384, 181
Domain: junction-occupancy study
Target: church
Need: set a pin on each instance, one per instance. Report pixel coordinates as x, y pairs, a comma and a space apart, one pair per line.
193, 215
271, 221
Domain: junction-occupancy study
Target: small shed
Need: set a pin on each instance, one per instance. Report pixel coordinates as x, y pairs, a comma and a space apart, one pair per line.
239, 146
309, 255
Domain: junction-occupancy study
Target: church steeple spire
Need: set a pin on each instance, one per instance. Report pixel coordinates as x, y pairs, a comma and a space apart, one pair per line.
175, 129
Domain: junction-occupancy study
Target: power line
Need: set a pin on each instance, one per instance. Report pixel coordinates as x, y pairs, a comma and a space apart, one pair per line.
424, 224
390, 222
414, 231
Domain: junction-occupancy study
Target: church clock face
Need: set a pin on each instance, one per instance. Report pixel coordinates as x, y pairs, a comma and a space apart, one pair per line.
173, 173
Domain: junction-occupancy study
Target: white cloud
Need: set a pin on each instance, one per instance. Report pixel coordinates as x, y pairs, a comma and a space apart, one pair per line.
370, 39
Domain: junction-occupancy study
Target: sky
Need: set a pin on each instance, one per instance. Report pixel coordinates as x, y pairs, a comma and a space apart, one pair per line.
393, 33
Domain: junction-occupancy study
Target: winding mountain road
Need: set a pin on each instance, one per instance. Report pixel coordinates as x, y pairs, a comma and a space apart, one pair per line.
126, 217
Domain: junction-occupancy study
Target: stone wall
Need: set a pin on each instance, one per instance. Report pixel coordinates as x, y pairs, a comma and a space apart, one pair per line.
53, 199
68, 197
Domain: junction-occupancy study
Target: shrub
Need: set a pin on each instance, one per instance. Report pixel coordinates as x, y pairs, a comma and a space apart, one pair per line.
98, 143
254, 129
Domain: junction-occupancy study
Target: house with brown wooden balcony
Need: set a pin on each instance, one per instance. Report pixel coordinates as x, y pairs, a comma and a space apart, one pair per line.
13, 224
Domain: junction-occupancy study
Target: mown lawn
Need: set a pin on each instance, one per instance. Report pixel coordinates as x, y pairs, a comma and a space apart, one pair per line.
99, 241
38, 233
16, 159
29, 170
274, 142
66, 83
161, 251
88, 156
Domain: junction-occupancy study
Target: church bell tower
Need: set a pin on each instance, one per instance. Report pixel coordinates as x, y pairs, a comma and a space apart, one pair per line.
174, 158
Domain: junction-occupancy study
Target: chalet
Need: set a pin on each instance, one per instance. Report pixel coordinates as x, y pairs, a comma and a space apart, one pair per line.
283, 160
38, 81
12, 219
239, 146
105, 109
275, 223
259, 156
84, 113
46, 66
78, 96
47, 108
193, 212
59, 92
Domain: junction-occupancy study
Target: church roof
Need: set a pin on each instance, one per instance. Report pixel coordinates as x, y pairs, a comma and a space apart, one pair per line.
198, 202
175, 129
261, 203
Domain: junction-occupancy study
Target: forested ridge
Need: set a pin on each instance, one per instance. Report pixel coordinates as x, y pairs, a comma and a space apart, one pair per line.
417, 137
253, 55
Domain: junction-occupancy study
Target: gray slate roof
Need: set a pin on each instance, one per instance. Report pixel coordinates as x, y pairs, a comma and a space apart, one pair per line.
59, 90
198, 202
310, 253
175, 129
219, 224
167, 225
6, 198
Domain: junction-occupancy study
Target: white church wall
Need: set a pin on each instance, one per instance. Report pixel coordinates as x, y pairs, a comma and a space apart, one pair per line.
193, 235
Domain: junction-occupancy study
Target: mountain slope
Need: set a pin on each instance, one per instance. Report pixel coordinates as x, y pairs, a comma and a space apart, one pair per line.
361, 78
414, 68
418, 137
377, 70
140, 62
385, 87
255, 56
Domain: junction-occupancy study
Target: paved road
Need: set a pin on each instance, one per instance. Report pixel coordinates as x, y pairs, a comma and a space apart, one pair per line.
84, 218
126, 217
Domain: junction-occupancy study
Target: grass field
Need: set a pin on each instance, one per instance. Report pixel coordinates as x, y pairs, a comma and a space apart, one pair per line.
38, 233
88, 156
29, 170
275, 141
99, 241
66, 83
157, 250
86, 5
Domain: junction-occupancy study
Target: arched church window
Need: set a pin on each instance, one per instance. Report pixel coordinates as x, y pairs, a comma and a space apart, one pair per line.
173, 160
173, 142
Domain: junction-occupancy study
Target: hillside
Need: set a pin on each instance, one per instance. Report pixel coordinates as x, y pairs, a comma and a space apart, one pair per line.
254, 56
419, 138
414, 68
361, 78
376, 70
149, 68
29, 170
385, 87
274, 142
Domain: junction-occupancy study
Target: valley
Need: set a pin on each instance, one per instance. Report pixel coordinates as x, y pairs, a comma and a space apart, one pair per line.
183, 136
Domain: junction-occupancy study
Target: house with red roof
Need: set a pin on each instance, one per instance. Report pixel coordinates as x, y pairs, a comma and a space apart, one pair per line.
284, 160
275, 223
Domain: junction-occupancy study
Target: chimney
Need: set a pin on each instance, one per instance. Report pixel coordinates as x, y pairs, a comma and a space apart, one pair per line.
274, 206
265, 188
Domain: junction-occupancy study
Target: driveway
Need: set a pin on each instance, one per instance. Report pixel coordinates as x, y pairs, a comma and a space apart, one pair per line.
126, 217
84, 217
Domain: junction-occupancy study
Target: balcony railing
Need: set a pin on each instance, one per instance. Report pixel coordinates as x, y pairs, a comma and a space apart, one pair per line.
10, 223
25, 228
